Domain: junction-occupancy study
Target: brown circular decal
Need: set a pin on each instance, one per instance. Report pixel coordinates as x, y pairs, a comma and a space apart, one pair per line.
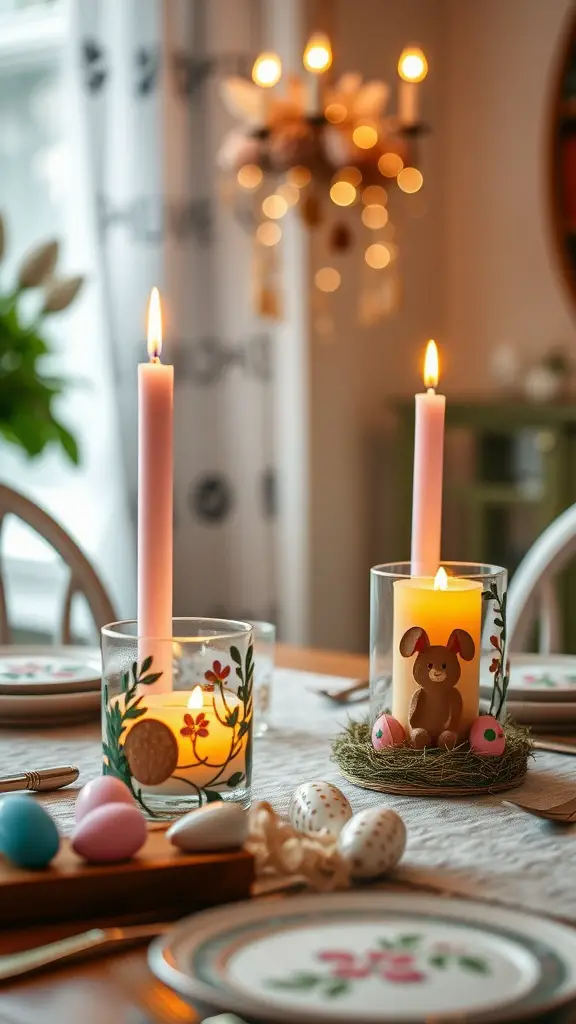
152, 752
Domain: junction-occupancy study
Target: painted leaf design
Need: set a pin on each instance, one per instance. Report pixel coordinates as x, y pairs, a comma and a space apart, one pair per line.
146, 664
302, 981
235, 780
235, 655
212, 796
473, 963
336, 988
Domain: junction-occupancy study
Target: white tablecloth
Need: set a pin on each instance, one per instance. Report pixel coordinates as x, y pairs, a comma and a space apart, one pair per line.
479, 847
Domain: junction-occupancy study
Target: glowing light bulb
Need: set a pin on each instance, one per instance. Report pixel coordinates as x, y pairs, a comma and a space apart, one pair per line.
267, 70
412, 66
318, 53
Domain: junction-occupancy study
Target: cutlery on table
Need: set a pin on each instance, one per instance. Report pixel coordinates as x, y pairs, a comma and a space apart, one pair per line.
97, 941
41, 781
359, 689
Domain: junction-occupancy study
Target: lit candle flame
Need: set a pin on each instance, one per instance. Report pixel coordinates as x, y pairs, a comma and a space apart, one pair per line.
318, 53
196, 698
441, 580
431, 369
412, 66
267, 70
154, 326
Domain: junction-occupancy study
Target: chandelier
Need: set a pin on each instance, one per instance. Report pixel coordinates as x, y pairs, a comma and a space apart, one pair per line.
331, 150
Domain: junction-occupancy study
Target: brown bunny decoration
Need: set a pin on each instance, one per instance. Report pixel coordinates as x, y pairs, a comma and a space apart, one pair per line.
436, 707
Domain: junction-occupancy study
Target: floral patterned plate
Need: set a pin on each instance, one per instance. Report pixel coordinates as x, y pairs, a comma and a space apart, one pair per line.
369, 957
546, 677
44, 670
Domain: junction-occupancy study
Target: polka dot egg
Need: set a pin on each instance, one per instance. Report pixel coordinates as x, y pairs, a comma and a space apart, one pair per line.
372, 842
487, 736
317, 806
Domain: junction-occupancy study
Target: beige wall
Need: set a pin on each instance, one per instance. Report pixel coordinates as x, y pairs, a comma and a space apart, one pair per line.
478, 267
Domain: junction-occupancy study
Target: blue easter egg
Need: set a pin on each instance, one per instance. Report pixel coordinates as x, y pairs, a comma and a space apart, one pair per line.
28, 836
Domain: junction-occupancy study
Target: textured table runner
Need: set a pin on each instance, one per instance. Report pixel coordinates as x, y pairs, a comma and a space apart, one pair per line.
477, 847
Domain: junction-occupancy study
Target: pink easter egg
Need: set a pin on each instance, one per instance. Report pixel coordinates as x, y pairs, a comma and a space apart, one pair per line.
110, 833
104, 790
387, 732
487, 736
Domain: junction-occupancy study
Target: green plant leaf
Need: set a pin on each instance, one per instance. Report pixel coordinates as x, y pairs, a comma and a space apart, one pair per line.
499, 623
438, 960
68, 442
473, 963
244, 726
235, 780
212, 796
235, 655
146, 664
148, 680
336, 988
134, 712
232, 718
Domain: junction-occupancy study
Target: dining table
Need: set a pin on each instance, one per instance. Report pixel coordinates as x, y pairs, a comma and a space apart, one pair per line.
481, 848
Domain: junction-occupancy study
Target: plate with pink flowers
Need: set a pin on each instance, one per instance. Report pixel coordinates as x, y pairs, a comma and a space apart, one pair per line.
49, 670
538, 677
369, 957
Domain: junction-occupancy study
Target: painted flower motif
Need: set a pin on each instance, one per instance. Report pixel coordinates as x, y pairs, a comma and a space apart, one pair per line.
386, 964
494, 640
195, 726
494, 664
217, 674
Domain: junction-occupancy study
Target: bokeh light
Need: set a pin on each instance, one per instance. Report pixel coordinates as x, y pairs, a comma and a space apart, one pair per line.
350, 174
374, 216
269, 233
343, 193
374, 194
299, 176
377, 256
249, 176
410, 179
390, 165
327, 279
289, 193
365, 136
267, 70
336, 113
274, 206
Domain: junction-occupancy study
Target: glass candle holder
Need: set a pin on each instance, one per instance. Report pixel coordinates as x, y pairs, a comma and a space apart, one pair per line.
442, 638
264, 659
177, 713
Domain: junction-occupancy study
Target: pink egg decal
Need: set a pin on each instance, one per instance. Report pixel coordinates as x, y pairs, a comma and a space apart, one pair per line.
487, 736
110, 833
104, 790
387, 732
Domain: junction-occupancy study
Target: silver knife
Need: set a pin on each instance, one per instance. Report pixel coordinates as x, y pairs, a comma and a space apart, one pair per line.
41, 781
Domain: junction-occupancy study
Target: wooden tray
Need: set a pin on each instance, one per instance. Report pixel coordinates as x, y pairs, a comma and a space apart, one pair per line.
160, 882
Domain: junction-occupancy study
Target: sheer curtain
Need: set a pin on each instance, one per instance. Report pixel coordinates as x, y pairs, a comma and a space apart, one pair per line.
150, 124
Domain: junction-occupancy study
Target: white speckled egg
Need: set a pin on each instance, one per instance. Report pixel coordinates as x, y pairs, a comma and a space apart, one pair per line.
372, 842
319, 805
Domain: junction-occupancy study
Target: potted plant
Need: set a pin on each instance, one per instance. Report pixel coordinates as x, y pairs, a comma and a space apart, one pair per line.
28, 392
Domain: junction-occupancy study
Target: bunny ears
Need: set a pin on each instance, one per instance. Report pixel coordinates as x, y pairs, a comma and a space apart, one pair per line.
415, 640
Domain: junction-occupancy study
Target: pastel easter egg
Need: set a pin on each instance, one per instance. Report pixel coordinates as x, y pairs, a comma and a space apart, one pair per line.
110, 833
387, 732
318, 806
372, 842
487, 736
104, 790
28, 835
217, 826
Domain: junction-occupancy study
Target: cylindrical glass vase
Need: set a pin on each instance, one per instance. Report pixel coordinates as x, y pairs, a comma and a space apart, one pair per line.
436, 646
177, 713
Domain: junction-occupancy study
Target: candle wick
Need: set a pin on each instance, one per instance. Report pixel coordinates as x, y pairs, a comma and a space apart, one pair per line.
431, 391
154, 359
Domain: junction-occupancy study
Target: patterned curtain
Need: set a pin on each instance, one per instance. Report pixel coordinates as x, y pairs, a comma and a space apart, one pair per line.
150, 71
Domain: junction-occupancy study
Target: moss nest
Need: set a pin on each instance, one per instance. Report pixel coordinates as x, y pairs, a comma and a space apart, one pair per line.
433, 772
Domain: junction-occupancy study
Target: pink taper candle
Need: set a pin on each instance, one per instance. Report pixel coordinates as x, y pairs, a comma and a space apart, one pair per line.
428, 471
155, 485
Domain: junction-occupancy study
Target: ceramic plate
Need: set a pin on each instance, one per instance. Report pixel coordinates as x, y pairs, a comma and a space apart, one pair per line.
49, 669
52, 709
369, 957
546, 677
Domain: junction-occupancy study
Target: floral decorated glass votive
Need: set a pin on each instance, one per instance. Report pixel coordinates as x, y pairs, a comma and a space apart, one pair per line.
177, 713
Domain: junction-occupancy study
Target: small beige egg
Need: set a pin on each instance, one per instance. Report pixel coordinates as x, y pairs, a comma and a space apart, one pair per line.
317, 806
372, 842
